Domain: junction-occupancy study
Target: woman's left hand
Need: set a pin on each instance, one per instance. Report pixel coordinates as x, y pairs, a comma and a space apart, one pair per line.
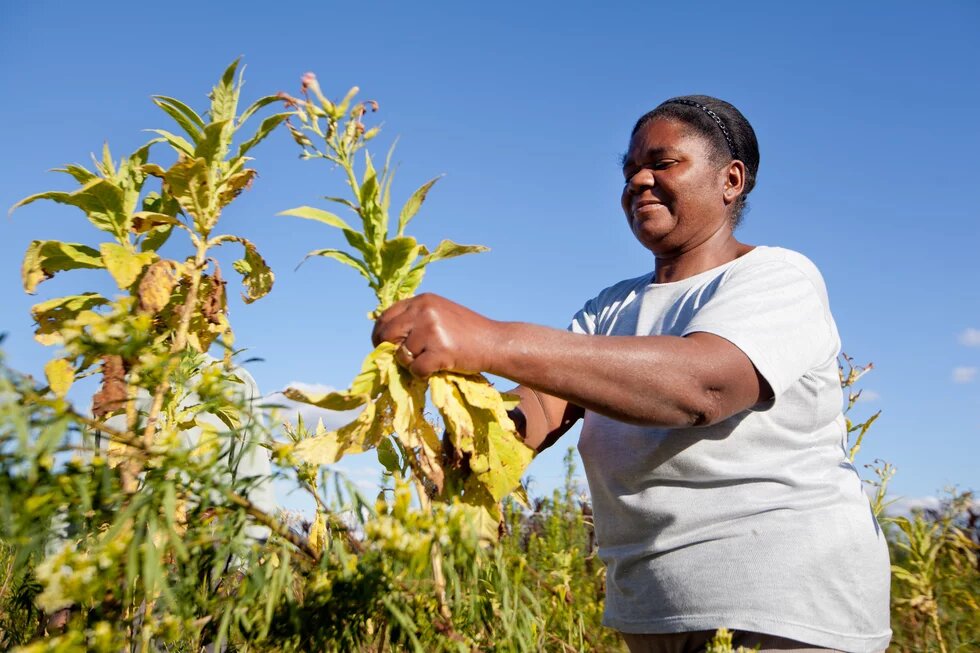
434, 334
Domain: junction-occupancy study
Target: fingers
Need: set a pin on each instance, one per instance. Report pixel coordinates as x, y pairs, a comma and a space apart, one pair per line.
392, 325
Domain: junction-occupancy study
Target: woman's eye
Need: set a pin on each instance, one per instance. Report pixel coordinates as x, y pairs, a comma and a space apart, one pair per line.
664, 164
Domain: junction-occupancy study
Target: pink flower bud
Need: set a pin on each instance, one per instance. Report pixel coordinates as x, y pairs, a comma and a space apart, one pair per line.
308, 80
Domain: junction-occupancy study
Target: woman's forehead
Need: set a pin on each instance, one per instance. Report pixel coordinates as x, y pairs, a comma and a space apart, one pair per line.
662, 135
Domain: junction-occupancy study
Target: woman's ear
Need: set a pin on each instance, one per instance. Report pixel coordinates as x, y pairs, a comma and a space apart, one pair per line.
734, 181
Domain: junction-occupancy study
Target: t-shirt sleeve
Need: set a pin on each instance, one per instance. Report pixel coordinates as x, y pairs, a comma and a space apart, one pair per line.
777, 314
584, 321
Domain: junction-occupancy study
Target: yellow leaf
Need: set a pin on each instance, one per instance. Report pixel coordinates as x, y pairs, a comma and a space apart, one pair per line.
124, 265
321, 450
318, 533
60, 375
156, 286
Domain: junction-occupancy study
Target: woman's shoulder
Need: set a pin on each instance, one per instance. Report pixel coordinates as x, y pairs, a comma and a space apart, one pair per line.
762, 254
779, 257
767, 262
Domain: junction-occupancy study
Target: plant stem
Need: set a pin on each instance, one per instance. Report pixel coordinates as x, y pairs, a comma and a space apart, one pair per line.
179, 343
435, 555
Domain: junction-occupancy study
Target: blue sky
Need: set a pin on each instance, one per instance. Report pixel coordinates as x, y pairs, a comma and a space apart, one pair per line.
866, 119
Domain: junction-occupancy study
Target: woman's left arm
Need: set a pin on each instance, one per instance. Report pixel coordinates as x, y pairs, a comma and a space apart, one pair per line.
668, 381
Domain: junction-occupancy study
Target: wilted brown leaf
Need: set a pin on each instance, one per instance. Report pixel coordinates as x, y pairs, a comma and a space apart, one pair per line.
156, 286
214, 301
112, 396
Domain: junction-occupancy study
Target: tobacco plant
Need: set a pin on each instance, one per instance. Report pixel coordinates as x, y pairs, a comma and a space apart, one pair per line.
481, 457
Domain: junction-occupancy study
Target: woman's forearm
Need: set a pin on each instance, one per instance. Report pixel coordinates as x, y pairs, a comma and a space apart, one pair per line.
651, 380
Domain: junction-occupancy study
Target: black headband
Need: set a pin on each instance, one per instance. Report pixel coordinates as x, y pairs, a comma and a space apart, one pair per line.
713, 116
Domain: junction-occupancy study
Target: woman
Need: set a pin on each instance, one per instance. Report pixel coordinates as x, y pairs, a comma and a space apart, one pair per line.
713, 438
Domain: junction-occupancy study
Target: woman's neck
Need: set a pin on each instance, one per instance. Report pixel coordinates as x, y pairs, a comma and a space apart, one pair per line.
717, 250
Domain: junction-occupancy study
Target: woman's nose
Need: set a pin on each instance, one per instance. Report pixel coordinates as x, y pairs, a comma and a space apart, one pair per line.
642, 179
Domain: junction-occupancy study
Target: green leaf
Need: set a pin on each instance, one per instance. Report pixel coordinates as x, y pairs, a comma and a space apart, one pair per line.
187, 123
187, 182
224, 96
342, 200
123, 264
372, 258
60, 375
185, 110
179, 143
449, 249
211, 147
413, 204
107, 167
80, 174
397, 257
155, 238
265, 128
343, 257
100, 199
52, 314
311, 213
410, 283
388, 457
232, 186
255, 106
256, 275
44, 258
144, 221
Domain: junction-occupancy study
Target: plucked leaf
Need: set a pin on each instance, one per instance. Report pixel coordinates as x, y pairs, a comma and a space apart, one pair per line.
449, 249
312, 213
343, 257
413, 204
388, 457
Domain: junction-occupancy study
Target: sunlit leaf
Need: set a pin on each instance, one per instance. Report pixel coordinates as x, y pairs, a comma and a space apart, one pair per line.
449, 249
413, 204
265, 128
343, 257
182, 115
50, 315
156, 286
60, 375
312, 213
124, 264
234, 185
179, 143
45, 258
256, 275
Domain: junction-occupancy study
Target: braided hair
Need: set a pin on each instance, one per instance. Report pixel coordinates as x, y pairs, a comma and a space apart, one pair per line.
730, 135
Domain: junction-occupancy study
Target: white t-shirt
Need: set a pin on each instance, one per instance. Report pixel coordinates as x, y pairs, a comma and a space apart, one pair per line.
756, 523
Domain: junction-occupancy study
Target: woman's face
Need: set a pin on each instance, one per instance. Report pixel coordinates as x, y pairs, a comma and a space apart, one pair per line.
675, 192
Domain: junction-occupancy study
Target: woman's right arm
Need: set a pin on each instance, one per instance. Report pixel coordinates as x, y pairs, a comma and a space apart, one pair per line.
542, 418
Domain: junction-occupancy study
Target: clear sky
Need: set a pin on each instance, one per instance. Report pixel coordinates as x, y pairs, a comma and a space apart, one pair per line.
866, 115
